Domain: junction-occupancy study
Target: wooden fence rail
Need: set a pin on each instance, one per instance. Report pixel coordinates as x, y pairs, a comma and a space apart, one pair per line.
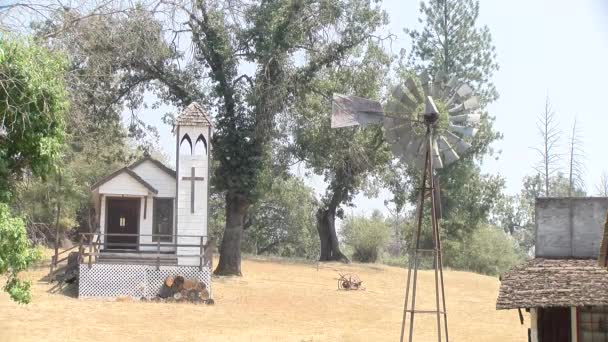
90, 247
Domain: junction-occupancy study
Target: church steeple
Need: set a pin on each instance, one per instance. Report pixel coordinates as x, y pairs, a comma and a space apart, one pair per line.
193, 136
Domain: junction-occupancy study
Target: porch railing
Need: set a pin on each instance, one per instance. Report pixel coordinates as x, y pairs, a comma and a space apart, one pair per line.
90, 247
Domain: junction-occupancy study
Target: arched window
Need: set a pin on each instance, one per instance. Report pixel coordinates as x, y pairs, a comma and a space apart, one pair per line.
200, 148
185, 148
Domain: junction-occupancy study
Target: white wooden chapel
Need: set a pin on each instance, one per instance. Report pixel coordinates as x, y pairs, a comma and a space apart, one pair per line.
149, 203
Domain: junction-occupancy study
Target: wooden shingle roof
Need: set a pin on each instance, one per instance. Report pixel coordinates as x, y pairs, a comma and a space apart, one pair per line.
552, 283
192, 115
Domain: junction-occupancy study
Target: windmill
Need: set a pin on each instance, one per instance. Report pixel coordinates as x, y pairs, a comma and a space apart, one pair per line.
427, 122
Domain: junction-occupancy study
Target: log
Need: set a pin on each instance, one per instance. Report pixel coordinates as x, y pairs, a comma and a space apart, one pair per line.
204, 294
189, 284
165, 292
178, 283
193, 295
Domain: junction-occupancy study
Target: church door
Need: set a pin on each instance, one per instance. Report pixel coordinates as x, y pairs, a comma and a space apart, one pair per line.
123, 218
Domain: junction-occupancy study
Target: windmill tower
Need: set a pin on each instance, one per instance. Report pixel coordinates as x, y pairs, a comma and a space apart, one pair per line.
425, 137
193, 134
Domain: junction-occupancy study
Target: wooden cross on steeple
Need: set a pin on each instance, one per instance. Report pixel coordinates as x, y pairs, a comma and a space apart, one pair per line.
192, 179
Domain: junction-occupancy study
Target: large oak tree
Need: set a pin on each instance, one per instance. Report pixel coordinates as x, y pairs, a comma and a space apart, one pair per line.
258, 58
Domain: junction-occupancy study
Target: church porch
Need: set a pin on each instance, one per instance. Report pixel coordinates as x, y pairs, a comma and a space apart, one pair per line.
138, 273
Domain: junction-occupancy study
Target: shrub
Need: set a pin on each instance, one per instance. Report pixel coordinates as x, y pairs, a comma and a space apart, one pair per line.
16, 254
366, 236
489, 251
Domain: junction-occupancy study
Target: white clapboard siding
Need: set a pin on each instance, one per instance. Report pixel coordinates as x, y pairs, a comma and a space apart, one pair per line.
165, 184
123, 184
188, 222
159, 179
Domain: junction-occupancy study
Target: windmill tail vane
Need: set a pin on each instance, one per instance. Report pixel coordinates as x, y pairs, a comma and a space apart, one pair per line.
420, 103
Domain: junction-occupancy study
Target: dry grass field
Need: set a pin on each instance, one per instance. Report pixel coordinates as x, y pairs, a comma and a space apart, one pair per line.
273, 301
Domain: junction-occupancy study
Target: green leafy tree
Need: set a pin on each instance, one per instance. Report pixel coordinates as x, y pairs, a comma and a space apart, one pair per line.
109, 61
32, 104
489, 251
366, 236
345, 157
258, 58
515, 214
451, 42
282, 221
16, 255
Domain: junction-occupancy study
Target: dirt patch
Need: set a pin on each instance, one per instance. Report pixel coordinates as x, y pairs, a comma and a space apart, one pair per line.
273, 301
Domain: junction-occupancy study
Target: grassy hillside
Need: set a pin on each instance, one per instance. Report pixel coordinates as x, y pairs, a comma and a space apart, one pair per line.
274, 301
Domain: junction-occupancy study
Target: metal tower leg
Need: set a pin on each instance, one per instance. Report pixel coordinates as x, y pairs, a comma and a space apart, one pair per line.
440, 309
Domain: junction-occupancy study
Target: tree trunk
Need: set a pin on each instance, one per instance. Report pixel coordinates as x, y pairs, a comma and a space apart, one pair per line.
326, 226
230, 250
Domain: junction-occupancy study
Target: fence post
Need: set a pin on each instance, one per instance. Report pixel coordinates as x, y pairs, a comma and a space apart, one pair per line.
80, 249
90, 252
201, 256
51, 270
158, 254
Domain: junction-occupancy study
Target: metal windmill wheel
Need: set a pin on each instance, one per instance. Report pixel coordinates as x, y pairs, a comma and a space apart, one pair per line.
428, 123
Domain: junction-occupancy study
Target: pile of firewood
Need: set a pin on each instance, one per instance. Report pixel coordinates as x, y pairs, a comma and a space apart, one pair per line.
179, 289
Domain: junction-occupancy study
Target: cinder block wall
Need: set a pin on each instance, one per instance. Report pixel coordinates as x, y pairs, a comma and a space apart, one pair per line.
570, 227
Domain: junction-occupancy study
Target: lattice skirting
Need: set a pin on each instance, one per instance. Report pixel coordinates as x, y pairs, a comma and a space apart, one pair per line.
113, 280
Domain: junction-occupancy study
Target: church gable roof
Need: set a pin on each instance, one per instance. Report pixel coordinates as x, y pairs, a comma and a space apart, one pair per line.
193, 115
131, 173
157, 163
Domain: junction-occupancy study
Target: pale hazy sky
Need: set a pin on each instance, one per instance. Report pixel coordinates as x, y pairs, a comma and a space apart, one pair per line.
559, 48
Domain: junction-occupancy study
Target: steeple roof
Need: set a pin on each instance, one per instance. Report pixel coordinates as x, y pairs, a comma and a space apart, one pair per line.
193, 115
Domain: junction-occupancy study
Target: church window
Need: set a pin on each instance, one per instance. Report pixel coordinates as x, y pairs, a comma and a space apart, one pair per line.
162, 225
183, 147
200, 148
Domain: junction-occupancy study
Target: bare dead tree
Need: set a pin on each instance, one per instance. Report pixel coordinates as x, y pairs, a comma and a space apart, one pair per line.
549, 132
601, 189
576, 157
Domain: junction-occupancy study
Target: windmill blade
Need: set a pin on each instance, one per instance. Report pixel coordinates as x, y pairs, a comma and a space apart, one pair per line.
396, 109
437, 163
472, 119
353, 110
398, 148
389, 133
412, 87
464, 91
468, 105
457, 143
408, 103
446, 150
415, 147
399, 131
463, 130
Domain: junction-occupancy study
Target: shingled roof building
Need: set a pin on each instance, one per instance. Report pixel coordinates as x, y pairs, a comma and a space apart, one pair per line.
565, 288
